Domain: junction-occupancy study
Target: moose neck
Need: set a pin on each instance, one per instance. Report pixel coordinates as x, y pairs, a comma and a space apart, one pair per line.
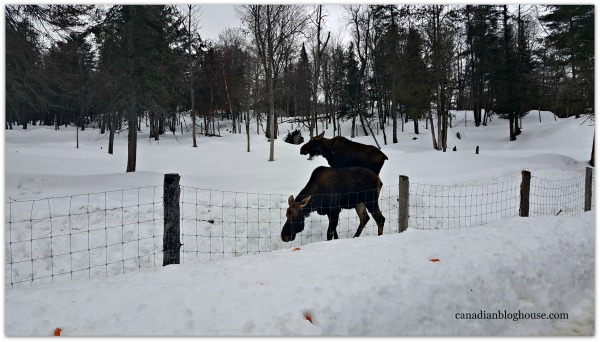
324, 147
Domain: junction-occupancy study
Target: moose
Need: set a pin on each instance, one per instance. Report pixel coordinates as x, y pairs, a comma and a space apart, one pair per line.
341, 152
328, 191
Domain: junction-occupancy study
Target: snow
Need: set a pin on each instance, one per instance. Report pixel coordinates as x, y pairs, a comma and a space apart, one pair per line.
369, 286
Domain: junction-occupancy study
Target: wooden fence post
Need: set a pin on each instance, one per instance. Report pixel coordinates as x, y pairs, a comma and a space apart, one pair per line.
588, 189
403, 204
171, 242
525, 187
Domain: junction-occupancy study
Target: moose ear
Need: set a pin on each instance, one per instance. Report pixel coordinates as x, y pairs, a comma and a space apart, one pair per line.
305, 202
320, 136
291, 200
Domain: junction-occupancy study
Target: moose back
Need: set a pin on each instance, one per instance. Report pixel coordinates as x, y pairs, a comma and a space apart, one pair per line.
341, 152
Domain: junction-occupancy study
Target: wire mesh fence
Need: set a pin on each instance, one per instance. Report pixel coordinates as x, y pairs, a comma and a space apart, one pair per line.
557, 197
443, 206
217, 224
107, 233
82, 236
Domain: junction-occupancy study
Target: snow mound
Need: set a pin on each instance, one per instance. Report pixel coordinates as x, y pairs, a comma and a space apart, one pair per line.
369, 286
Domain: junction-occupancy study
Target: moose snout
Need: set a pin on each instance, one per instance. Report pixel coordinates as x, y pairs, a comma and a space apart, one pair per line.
286, 238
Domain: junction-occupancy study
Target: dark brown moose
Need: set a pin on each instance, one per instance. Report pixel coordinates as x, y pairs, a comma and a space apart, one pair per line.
341, 152
330, 190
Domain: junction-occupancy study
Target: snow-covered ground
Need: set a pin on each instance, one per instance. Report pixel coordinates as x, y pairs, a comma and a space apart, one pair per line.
370, 286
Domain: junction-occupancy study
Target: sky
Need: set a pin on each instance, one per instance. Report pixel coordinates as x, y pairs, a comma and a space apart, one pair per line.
217, 17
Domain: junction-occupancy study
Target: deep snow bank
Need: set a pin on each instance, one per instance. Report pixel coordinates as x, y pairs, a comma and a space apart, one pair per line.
378, 286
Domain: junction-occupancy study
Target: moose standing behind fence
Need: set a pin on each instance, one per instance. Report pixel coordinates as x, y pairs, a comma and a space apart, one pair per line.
329, 191
341, 152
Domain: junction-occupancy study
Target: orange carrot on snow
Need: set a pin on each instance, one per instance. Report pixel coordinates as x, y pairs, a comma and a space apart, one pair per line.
308, 317
57, 331
435, 260
296, 249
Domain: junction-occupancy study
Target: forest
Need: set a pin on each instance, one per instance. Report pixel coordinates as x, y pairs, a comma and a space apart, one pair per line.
116, 67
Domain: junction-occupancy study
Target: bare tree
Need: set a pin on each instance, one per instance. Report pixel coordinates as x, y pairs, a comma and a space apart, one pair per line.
361, 21
317, 19
274, 29
191, 15
439, 31
237, 74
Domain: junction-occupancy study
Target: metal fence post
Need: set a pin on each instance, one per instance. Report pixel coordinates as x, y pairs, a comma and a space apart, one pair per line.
403, 204
525, 187
588, 189
171, 242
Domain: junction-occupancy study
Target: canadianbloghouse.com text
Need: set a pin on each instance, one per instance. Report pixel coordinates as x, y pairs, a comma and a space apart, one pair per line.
515, 316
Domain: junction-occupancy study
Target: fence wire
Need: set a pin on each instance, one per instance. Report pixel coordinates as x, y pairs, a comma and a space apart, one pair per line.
82, 236
557, 197
451, 206
217, 224
107, 233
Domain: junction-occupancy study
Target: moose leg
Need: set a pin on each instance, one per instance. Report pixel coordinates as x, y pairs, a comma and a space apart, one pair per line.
333, 222
361, 210
373, 208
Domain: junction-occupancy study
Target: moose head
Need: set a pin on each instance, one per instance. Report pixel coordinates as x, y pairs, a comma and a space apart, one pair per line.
312, 147
294, 222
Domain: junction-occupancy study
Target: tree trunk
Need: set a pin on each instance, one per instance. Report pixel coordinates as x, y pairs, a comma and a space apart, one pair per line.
161, 125
592, 163
191, 71
248, 130
363, 123
103, 123
435, 144
77, 134
131, 143
394, 113
444, 137
416, 125
132, 115
229, 99
272, 117
382, 126
402, 114
111, 128
152, 124
512, 128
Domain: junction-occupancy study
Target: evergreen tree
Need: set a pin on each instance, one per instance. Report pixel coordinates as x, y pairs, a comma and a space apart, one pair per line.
23, 81
386, 63
572, 38
483, 50
333, 76
506, 77
302, 86
29, 31
513, 88
135, 56
415, 81
71, 63
351, 89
